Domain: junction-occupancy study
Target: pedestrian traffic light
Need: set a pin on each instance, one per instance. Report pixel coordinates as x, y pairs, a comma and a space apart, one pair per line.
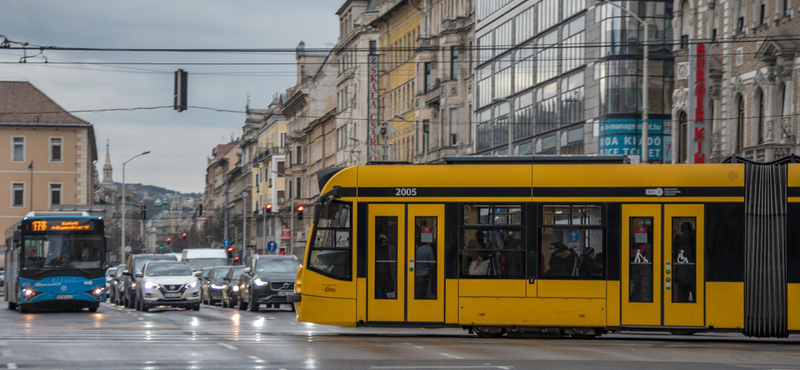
268, 208
161, 247
300, 212
184, 236
169, 240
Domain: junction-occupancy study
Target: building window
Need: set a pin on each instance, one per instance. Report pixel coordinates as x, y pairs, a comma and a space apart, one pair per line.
18, 194
55, 194
523, 69
492, 242
547, 145
571, 7
290, 189
759, 98
572, 44
484, 78
572, 141
525, 25
17, 148
761, 11
547, 57
523, 116
298, 154
500, 135
55, 149
502, 77
574, 238
572, 99
298, 183
373, 47
485, 48
738, 15
281, 197
427, 79
683, 136
454, 62
483, 130
548, 14
453, 126
546, 108
686, 27
740, 125
503, 38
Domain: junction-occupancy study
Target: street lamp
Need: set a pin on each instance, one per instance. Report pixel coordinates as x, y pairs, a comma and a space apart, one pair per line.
645, 80
510, 122
122, 247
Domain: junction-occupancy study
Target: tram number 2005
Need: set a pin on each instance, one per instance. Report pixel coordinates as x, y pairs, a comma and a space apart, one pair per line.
405, 192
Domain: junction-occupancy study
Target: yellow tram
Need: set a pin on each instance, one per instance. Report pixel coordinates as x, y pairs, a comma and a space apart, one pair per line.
576, 245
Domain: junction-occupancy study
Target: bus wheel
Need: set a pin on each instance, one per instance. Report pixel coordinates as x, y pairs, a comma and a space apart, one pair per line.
488, 331
12, 306
93, 309
21, 308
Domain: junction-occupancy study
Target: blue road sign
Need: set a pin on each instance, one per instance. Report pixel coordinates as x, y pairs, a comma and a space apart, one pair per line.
226, 243
573, 236
272, 246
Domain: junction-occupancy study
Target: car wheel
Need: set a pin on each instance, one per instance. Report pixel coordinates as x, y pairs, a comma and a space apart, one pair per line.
242, 305
197, 308
144, 307
137, 305
253, 306
21, 308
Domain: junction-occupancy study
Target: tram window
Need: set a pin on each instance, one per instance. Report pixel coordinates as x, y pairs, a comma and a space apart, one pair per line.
641, 259
386, 257
492, 215
331, 249
493, 253
573, 242
426, 242
684, 247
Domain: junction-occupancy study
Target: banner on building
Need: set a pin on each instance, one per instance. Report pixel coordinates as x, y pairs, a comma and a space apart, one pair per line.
286, 233
373, 108
623, 136
698, 127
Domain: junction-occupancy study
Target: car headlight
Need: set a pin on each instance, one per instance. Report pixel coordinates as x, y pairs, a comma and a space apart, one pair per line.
215, 286
133, 285
235, 288
260, 282
149, 285
191, 285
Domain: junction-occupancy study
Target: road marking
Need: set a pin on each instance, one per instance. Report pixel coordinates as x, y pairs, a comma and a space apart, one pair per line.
444, 367
419, 347
254, 358
228, 346
451, 356
12, 366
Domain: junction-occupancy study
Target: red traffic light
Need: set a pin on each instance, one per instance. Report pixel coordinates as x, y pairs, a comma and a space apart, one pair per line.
236, 258
169, 240
184, 235
268, 206
230, 249
300, 208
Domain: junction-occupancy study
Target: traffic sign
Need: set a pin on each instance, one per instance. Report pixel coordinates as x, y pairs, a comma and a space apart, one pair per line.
573, 236
272, 246
226, 243
128, 249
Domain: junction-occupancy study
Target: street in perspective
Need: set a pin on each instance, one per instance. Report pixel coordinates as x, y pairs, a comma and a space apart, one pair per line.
400, 184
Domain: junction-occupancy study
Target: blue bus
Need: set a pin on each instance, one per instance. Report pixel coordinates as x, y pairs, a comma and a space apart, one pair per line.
55, 261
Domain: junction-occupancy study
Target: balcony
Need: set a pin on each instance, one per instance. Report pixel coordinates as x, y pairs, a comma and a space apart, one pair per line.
434, 93
768, 152
458, 24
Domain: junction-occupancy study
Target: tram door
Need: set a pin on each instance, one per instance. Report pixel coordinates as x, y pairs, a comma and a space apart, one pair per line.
662, 265
406, 275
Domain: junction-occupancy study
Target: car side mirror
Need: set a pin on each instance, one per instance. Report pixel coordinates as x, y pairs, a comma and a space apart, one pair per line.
248, 271
17, 236
198, 273
138, 274
126, 273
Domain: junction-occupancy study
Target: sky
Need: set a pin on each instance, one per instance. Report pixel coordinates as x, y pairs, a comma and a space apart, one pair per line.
180, 143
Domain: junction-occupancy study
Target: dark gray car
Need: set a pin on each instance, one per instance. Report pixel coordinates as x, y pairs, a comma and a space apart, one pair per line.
267, 280
213, 283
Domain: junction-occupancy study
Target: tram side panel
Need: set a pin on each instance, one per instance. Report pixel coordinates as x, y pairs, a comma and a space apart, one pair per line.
724, 265
793, 259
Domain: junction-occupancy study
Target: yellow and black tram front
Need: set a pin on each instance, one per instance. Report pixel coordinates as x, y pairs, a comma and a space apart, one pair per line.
549, 246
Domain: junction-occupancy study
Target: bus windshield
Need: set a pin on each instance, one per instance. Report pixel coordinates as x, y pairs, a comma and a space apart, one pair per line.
200, 263
58, 251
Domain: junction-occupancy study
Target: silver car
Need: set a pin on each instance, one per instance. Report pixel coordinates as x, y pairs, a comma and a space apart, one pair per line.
167, 284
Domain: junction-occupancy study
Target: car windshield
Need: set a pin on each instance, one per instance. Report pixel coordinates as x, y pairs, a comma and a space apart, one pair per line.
168, 269
63, 251
220, 273
237, 272
139, 263
119, 272
111, 272
277, 265
201, 263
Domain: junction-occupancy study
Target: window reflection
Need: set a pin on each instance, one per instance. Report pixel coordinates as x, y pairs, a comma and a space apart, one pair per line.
684, 248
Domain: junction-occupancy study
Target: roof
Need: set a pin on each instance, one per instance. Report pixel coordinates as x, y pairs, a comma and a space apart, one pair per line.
21, 102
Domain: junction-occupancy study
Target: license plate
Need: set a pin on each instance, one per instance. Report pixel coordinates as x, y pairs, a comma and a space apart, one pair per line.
66, 296
284, 293
173, 295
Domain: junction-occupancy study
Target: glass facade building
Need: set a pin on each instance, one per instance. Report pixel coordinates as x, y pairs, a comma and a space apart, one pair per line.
567, 77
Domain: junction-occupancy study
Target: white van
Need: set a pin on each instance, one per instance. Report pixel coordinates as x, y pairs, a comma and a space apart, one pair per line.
204, 257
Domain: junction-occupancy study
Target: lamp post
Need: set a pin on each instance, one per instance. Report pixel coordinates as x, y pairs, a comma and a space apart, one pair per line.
510, 122
122, 247
645, 80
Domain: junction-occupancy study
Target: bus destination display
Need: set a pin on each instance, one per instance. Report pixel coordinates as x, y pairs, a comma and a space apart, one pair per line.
60, 225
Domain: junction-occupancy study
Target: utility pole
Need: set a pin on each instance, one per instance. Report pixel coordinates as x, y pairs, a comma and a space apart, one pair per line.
244, 222
227, 189
30, 167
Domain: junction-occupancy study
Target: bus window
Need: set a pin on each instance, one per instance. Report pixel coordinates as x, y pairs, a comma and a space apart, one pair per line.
386, 257
641, 259
572, 242
684, 247
63, 250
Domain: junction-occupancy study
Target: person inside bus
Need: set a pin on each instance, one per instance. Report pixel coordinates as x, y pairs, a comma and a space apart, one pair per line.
478, 242
385, 268
588, 262
480, 265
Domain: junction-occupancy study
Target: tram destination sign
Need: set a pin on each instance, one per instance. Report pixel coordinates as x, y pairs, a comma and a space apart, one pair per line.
698, 89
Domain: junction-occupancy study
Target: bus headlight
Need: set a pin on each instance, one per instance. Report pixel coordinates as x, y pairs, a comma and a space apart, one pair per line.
99, 291
28, 293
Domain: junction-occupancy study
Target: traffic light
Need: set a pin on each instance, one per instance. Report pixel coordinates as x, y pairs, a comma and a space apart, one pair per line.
268, 208
300, 212
236, 258
184, 236
169, 240
181, 93
161, 247
230, 252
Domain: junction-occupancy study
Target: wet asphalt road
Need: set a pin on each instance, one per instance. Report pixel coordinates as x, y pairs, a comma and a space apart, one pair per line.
218, 338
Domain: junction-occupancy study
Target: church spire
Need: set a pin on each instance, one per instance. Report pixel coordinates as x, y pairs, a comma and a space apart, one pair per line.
107, 170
